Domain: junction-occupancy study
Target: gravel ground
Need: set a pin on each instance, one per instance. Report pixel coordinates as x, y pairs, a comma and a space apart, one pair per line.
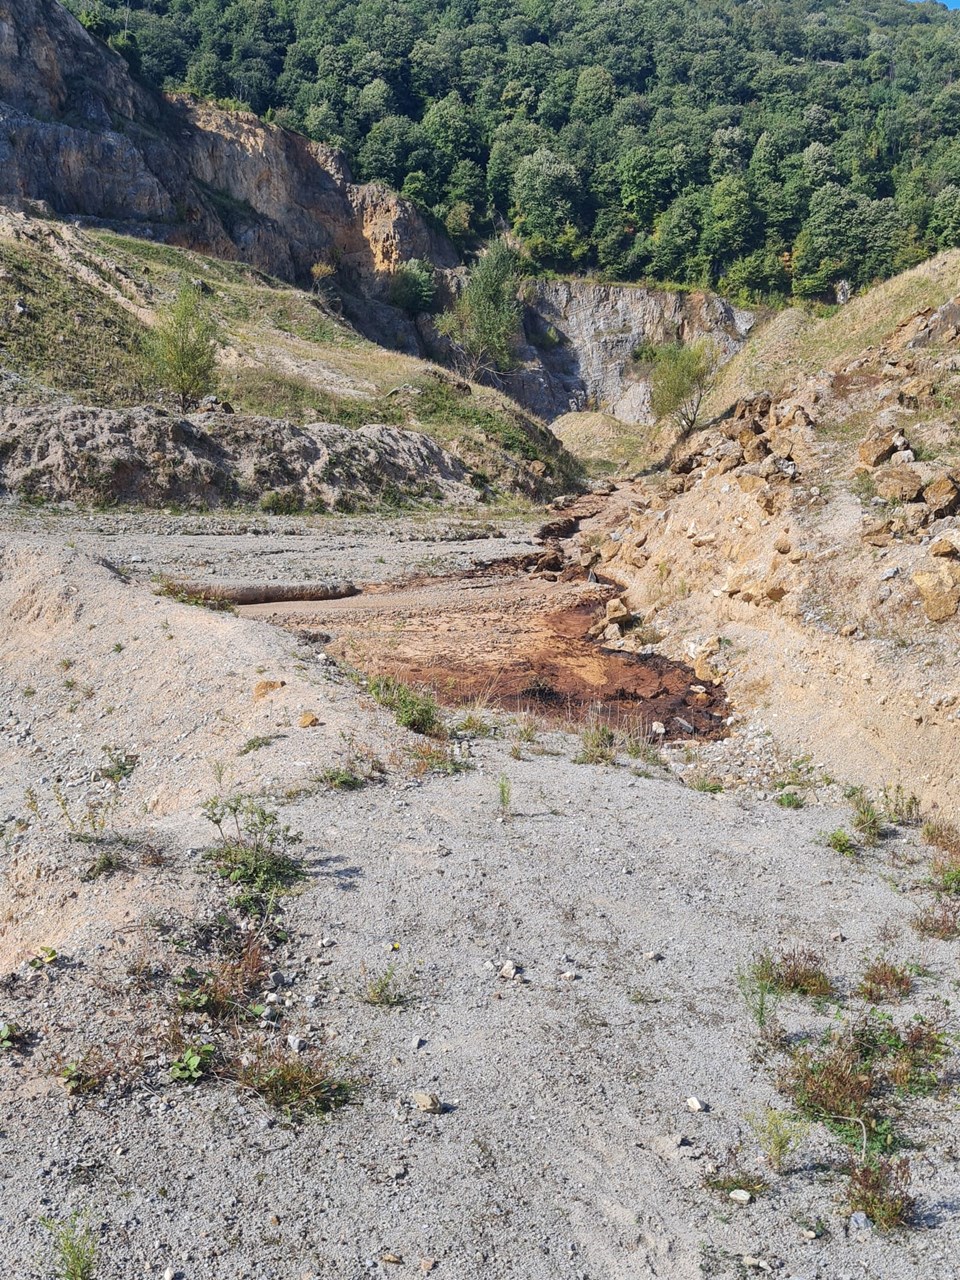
566, 963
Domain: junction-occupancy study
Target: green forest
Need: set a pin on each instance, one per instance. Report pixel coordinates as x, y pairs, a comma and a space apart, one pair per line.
766, 148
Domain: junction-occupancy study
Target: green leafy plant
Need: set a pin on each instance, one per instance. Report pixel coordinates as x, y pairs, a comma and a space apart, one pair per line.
842, 842
299, 1085
253, 851
11, 1036
788, 800
192, 1064
598, 744
760, 995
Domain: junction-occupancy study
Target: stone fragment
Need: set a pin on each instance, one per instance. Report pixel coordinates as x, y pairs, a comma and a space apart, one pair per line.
946, 544
740, 1196
308, 720
877, 449
899, 483
427, 1102
695, 1104
942, 495
263, 687
939, 590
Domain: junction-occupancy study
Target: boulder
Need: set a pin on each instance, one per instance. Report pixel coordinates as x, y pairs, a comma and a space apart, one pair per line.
877, 449
939, 590
942, 494
946, 544
899, 483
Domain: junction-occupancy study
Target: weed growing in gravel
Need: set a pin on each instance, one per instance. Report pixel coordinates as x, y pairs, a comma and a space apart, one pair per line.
193, 1063
866, 817
473, 724
731, 1176
941, 835
342, 778
504, 795
797, 970
105, 864
945, 869
884, 980
597, 745
778, 1134
256, 743
879, 1188
385, 991
120, 764
90, 824
253, 851
12, 1036
701, 782
417, 711
938, 920
788, 800
225, 990
840, 841
900, 806
832, 1083
430, 757
760, 995
87, 1074
74, 1247
297, 1084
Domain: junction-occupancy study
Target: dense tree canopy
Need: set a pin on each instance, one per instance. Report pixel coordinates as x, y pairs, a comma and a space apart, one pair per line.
761, 146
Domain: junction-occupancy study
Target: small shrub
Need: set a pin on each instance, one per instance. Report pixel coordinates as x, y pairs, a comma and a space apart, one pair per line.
939, 920
253, 851
105, 864
879, 1188
842, 842
181, 349
412, 287
74, 1248
778, 1133
883, 980
417, 711
87, 1074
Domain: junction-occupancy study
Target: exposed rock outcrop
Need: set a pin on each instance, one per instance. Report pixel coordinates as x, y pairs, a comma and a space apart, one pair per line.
78, 134
151, 457
581, 338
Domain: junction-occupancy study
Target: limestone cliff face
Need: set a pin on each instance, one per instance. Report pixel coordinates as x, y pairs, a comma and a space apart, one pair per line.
79, 134
581, 336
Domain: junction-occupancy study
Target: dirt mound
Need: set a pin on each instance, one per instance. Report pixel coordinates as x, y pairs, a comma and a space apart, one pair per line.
148, 456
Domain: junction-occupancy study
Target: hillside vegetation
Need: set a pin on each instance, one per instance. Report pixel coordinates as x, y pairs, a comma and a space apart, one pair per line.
78, 304
767, 150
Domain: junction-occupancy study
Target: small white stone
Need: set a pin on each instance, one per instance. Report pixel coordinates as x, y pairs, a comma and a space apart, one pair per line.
694, 1104
740, 1196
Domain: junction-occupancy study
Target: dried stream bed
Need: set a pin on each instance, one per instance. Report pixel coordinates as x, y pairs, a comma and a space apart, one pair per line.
512, 639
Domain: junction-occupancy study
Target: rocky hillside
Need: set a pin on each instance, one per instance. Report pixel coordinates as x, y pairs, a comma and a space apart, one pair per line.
581, 340
82, 138
805, 545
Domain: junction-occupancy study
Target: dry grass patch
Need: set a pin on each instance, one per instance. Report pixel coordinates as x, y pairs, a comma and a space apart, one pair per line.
879, 1188
884, 980
938, 920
